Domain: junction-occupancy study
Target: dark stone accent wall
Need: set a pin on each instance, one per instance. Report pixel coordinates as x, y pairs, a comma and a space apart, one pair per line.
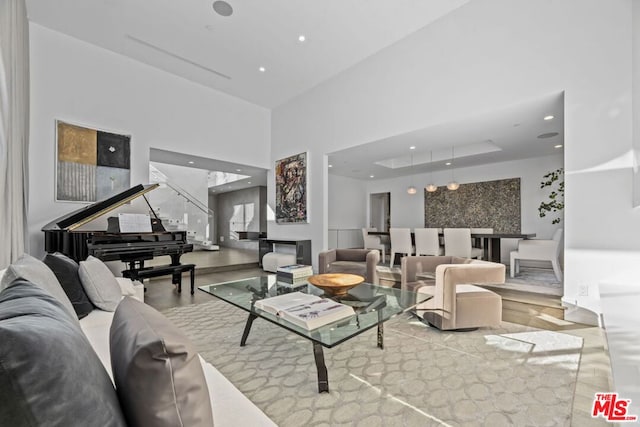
490, 204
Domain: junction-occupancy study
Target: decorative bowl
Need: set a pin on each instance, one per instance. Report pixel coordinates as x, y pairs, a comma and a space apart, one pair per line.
335, 284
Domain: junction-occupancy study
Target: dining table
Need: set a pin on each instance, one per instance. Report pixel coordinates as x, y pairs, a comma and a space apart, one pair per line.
490, 241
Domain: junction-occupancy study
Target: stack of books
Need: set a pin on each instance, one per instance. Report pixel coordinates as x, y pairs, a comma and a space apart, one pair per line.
304, 310
295, 274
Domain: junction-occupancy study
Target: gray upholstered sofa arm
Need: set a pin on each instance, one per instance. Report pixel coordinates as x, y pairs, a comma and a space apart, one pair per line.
373, 258
356, 261
325, 259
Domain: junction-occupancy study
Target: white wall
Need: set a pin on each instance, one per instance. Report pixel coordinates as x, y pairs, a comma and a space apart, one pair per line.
194, 181
484, 56
347, 203
347, 212
168, 204
81, 83
408, 210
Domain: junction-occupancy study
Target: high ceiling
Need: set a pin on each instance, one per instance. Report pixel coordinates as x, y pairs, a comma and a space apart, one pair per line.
189, 39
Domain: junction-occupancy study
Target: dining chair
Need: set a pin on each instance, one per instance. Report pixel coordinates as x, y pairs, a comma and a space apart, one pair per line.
427, 241
538, 249
478, 243
457, 242
373, 242
400, 243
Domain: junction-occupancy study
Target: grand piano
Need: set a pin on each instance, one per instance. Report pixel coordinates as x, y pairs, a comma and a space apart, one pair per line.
68, 236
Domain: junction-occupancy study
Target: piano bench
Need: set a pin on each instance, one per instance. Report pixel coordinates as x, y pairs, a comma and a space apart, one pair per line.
163, 270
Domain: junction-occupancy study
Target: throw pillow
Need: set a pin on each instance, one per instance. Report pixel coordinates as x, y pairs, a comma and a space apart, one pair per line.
49, 374
157, 372
35, 271
66, 271
99, 284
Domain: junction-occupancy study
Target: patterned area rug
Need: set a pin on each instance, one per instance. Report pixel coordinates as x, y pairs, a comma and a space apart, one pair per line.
513, 375
538, 280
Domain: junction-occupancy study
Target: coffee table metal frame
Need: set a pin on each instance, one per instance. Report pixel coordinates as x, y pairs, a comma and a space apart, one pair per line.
373, 305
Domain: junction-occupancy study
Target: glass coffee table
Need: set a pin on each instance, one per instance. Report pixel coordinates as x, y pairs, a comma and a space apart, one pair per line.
373, 305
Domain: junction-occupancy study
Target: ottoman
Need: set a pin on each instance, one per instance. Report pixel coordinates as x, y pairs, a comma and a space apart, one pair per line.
272, 260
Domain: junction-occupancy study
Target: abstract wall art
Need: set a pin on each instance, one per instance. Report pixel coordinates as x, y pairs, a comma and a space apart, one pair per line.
488, 204
291, 189
91, 164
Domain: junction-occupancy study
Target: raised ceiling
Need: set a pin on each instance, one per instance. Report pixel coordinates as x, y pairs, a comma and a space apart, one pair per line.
511, 133
189, 39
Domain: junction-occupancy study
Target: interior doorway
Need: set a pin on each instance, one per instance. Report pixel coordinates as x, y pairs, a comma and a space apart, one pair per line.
380, 211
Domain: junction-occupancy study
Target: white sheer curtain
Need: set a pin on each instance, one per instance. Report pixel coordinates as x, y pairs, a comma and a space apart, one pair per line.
14, 128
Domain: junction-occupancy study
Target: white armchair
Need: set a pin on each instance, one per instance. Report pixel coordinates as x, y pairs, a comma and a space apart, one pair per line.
373, 242
457, 242
540, 250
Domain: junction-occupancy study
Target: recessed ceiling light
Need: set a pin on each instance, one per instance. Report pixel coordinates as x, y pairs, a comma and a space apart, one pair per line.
371, 176
238, 170
222, 8
549, 117
557, 146
330, 166
262, 69
301, 38
191, 162
248, 182
448, 163
413, 147
548, 135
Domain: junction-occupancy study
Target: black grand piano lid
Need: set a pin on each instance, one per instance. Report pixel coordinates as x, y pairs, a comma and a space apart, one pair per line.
95, 210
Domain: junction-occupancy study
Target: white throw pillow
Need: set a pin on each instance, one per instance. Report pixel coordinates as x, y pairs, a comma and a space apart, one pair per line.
100, 284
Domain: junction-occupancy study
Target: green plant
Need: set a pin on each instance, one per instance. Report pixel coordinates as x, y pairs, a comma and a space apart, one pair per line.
555, 181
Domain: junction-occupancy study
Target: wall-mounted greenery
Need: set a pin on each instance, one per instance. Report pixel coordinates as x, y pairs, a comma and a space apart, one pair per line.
555, 181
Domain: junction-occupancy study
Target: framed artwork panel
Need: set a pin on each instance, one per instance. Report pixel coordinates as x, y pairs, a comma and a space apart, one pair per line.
291, 189
91, 164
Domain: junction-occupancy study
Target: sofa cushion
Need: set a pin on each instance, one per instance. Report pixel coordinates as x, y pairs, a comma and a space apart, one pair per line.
49, 374
35, 271
358, 255
100, 284
156, 370
350, 267
66, 271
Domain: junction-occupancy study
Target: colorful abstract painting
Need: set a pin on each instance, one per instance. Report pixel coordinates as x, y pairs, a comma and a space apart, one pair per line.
291, 189
91, 164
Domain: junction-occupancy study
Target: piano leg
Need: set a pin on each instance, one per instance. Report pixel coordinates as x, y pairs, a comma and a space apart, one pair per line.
175, 259
177, 280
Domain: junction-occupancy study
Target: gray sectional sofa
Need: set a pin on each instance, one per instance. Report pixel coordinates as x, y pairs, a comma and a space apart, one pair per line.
113, 368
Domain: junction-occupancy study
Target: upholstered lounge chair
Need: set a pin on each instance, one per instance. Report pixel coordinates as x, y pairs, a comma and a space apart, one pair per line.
457, 303
541, 250
354, 261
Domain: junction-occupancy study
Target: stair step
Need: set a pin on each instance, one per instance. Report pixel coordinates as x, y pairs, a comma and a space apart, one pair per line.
524, 297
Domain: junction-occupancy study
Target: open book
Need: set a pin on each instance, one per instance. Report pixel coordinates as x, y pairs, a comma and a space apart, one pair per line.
304, 310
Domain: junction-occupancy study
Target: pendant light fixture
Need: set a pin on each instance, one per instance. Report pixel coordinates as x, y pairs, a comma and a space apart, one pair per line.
411, 189
452, 185
431, 186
